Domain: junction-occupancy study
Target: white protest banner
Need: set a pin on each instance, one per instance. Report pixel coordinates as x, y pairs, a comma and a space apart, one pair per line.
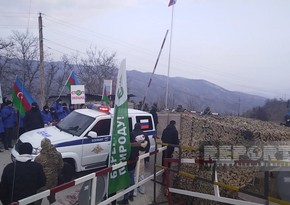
77, 94
108, 86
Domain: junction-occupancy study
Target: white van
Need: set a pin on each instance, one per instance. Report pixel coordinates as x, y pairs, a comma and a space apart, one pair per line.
84, 137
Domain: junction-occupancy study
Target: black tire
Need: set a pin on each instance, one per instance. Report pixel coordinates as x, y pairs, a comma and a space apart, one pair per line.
68, 172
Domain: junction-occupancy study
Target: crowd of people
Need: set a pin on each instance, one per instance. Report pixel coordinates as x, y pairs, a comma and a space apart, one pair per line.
13, 124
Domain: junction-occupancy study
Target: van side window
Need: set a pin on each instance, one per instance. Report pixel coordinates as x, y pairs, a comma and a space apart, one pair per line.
102, 127
145, 121
130, 124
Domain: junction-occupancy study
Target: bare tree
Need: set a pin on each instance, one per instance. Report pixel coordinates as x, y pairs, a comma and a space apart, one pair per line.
5, 65
98, 66
24, 60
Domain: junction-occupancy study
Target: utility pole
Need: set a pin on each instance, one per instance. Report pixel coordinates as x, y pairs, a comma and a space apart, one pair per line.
41, 61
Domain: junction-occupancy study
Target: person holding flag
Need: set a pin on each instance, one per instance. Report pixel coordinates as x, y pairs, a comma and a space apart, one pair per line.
139, 141
9, 121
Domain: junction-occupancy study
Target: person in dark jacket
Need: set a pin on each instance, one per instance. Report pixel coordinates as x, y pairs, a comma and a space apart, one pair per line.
2, 131
65, 111
22, 178
33, 119
9, 121
137, 139
46, 115
153, 112
54, 116
169, 136
57, 105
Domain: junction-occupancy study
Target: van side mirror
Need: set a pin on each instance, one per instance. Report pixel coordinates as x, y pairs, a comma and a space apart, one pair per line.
92, 134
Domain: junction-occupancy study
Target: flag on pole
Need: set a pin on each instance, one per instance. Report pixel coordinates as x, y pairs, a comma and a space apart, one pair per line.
172, 2
107, 89
21, 97
72, 80
105, 96
120, 146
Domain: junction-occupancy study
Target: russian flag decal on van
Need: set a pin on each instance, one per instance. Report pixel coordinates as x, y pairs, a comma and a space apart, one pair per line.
144, 124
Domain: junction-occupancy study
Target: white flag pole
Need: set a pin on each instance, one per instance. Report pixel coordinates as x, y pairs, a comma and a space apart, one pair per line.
169, 59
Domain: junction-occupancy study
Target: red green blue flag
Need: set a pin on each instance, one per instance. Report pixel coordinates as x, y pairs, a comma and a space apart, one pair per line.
72, 80
21, 97
105, 96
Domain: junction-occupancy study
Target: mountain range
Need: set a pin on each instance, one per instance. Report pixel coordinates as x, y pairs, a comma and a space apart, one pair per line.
192, 94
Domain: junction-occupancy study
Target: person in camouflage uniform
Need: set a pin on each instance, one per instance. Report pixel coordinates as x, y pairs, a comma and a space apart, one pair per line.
52, 163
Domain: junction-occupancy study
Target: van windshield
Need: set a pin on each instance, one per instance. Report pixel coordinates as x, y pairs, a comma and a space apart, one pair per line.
75, 123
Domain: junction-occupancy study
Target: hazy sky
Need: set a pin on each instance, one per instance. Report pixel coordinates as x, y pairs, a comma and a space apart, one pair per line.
241, 45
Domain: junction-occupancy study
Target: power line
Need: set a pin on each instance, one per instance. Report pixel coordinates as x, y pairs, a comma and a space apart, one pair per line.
64, 46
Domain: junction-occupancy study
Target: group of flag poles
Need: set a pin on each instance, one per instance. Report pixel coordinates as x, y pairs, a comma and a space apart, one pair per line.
22, 99
118, 179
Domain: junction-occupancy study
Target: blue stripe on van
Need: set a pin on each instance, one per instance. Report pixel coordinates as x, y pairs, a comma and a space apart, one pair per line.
150, 132
84, 141
93, 140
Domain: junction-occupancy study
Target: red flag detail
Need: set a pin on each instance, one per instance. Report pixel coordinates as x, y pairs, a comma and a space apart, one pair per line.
172, 2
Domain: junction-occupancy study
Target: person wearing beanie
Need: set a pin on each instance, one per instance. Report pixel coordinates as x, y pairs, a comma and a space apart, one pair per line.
9, 121
46, 116
22, 178
57, 105
169, 136
33, 119
52, 163
65, 111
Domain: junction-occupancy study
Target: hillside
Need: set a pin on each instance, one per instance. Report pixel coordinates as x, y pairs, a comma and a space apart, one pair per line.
190, 93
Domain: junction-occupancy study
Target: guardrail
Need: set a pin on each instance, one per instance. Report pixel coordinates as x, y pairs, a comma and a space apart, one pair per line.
214, 181
93, 177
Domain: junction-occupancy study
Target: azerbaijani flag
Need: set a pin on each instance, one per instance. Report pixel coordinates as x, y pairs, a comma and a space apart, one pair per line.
72, 80
105, 95
21, 97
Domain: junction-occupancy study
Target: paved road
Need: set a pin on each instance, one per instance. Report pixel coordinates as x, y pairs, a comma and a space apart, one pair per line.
71, 196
